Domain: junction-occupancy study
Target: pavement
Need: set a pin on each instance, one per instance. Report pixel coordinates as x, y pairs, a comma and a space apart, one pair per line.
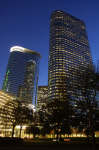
50, 147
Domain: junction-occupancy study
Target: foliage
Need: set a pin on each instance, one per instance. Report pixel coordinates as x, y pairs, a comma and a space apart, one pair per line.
57, 117
87, 106
16, 113
32, 129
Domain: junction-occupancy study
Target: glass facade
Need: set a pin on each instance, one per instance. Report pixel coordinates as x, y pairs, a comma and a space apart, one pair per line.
69, 55
21, 77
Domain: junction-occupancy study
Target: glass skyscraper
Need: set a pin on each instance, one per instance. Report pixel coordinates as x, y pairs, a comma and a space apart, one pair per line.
69, 55
21, 77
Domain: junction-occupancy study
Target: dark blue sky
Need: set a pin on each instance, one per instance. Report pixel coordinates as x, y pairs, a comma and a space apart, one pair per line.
26, 23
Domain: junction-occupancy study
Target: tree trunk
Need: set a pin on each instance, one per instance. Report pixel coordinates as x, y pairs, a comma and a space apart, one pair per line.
93, 140
34, 135
88, 139
20, 131
13, 130
57, 135
5, 130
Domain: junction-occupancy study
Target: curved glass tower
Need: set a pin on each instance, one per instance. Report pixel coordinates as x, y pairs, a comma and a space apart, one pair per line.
21, 77
69, 55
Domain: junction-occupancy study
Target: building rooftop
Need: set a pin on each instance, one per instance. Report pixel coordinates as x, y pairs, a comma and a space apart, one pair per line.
24, 50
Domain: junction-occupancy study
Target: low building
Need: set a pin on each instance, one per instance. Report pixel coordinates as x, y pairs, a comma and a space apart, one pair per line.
5, 125
14, 114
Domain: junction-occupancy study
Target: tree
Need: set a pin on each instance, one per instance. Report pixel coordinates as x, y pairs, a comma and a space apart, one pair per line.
32, 129
57, 117
58, 113
87, 106
27, 116
16, 113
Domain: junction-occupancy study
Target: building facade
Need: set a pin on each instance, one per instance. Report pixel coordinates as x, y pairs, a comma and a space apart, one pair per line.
21, 77
5, 124
69, 55
42, 97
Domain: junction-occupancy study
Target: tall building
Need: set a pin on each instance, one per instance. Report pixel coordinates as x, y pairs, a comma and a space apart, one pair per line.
42, 97
69, 55
21, 77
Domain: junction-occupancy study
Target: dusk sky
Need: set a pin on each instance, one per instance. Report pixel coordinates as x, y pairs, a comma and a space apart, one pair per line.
26, 23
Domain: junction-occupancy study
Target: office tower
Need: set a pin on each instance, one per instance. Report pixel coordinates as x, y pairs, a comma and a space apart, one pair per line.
21, 77
42, 97
69, 55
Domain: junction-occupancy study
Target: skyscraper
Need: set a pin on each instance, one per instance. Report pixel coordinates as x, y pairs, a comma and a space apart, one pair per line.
69, 55
42, 97
21, 77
